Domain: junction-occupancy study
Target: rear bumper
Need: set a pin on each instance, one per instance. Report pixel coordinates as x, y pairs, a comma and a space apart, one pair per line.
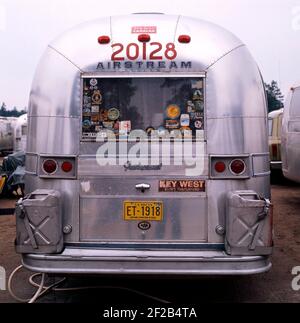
145, 262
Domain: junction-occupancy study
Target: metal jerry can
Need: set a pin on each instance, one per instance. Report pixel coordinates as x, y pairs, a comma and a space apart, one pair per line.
248, 224
39, 223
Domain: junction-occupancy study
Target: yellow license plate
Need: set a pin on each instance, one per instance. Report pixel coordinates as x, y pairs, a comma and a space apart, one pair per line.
143, 211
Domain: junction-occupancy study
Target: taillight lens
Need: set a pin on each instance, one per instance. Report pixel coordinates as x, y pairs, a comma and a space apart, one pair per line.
50, 166
67, 167
220, 167
237, 167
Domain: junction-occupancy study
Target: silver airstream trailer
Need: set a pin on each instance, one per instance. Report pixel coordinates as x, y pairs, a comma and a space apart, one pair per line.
20, 133
6, 135
147, 153
275, 126
290, 141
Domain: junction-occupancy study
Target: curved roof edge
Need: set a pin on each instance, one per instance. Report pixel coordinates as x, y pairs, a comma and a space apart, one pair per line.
80, 45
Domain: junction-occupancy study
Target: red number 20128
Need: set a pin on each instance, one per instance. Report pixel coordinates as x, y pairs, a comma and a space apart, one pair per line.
133, 51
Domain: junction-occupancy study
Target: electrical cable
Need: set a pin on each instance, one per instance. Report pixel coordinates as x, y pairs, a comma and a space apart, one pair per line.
43, 290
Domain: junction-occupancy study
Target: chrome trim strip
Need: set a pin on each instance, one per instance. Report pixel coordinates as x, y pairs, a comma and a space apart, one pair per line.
152, 246
141, 75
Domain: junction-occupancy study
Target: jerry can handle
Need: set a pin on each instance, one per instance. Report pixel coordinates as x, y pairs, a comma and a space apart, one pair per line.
260, 218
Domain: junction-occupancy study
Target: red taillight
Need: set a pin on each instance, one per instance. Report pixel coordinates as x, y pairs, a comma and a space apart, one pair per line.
67, 167
104, 40
220, 167
144, 38
237, 167
184, 39
50, 166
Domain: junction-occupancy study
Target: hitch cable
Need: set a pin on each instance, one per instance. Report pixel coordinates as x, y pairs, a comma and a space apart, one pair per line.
43, 290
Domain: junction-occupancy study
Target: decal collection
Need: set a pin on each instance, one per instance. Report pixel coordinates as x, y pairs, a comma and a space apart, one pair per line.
102, 110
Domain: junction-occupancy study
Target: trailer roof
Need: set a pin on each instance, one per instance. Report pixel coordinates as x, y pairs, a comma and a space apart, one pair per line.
209, 42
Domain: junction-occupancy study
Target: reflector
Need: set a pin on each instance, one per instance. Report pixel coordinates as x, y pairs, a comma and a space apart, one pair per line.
50, 166
237, 166
144, 38
220, 167
185, 39
67, 167
104, 40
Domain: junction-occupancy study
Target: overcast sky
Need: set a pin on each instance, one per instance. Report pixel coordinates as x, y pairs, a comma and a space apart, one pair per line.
270, 28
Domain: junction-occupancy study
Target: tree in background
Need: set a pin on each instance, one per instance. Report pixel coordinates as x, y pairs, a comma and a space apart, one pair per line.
274, 95
11, 113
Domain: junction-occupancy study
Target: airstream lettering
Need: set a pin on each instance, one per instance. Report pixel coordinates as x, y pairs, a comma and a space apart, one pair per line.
112, 148
144, 65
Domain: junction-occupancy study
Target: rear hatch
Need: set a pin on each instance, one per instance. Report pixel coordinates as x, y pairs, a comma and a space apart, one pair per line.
142, 167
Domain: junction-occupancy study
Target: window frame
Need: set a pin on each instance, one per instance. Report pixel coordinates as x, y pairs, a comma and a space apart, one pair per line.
140, 75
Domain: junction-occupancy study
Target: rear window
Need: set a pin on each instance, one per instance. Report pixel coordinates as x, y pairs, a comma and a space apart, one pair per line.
164, 105
295, 104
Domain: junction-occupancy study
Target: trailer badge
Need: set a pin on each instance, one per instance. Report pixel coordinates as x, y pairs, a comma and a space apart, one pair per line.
103, 115
172, 124
187, 132
93, 82
86, 111
95, 118
197, 85
144, 226
97, 97
113, 114
198, 124
117, 125
190, 107
196, 115
173, 111
149, 130
197, 95
144, 30
185, 120
86, 124
119, 64
182, 186
86, 100
108, 125
162, 131
199, 105
125, 127
95, 109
